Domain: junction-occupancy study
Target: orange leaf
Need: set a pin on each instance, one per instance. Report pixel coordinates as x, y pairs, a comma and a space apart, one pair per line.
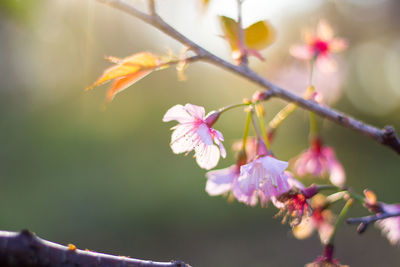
126, 72
121, 84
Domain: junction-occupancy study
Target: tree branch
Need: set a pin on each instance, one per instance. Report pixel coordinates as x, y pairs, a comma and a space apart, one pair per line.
386, 136
365, 221
26, 249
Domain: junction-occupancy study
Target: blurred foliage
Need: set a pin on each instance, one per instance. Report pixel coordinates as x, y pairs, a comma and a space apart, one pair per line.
106, 179
19, 9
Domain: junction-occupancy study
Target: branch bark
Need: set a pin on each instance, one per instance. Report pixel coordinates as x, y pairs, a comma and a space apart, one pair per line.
386, 136
364, 222
26, 249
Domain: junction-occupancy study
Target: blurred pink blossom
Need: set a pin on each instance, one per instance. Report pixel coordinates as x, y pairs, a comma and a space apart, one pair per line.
194, 132
319, 46
320, 220
221, 181
391, 226
319, 161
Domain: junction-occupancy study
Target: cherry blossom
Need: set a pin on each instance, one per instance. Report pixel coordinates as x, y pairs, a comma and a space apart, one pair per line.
221, 181
318, 161
391, 226
319, 46
321, 220
194, 132
262, 178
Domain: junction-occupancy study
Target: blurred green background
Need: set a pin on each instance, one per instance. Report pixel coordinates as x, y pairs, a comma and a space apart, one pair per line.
107, 180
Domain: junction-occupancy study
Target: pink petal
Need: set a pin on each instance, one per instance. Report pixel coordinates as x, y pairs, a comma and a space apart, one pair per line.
325, 231
308, 36
195, 111
178, 113
293, 182
303, 52
221, 147
326, 64
220, 181
183, 138
336, 170
204, 132
337, 45
218, 135
338, 176
304, 229
248, 180
324, 31
207, 157
390, 208
273, 165
391, 229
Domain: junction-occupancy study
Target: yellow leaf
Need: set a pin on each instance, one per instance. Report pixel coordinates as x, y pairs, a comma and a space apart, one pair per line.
257, 36
230, 29
126, 72
205, 3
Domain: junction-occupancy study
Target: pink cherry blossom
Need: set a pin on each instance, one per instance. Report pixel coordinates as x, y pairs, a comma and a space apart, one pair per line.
319, 161
221, 181
320, 220
391, 226
262, 178
319, 46
194, 132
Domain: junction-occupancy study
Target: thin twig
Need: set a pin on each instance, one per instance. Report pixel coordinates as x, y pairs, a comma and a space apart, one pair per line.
152, 6
386, 136
365, 221
26, 249
243, 53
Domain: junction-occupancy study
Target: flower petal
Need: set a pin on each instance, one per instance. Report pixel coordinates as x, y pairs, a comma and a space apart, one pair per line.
326, 64
304, 229
324, 31
325, 231
391, 229
220, 181
195, 111
177, 113
337, 174
337, 45
204, 132
273, 165
207, 157
303, 52
183, 138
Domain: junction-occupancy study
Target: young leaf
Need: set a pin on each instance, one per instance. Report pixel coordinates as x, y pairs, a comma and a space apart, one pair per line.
256, 37
126, 72
259, 35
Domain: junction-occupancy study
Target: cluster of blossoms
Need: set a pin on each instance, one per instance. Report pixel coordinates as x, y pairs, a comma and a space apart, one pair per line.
259, 177
390, 226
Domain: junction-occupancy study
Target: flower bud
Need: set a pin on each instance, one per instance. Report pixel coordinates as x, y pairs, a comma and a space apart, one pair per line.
212, 118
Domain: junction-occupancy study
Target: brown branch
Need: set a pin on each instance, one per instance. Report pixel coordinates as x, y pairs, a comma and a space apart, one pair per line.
26, 249
152, 6
386, 136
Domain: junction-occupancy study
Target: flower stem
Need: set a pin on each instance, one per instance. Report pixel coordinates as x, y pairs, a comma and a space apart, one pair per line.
340, 219
246, 130
312, 64
255, 125
288, 109
260, 115
348, 191
222, 110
